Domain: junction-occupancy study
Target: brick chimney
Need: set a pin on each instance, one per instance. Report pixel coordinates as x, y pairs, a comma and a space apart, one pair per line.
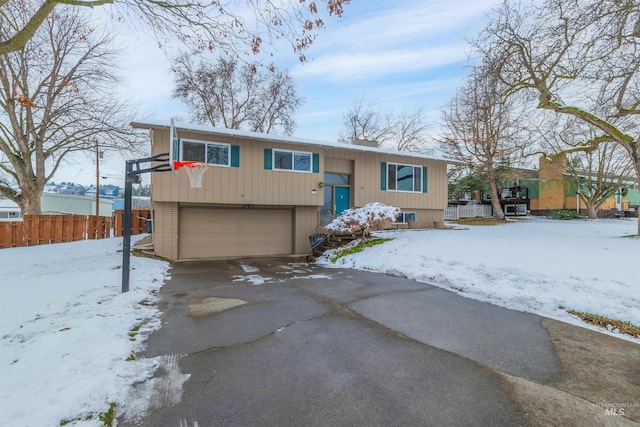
552, 190
366, 142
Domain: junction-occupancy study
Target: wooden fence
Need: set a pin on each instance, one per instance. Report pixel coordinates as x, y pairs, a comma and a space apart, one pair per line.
139, 219
45, 229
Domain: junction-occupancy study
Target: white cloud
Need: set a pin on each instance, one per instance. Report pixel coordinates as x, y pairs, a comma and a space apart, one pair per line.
410, 23
371, 65
393, 40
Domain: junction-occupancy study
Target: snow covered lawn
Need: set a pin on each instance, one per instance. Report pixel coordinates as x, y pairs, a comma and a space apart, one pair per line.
535, 265
66, 332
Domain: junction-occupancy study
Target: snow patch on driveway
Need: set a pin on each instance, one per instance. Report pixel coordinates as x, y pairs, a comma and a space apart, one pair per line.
255, 279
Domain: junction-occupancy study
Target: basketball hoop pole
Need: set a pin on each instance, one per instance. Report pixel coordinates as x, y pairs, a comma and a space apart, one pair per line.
133, 177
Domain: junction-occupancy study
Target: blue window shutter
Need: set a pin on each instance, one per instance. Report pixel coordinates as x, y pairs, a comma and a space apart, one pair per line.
424, 179
235, 156
268, 162
316, 163
383, 176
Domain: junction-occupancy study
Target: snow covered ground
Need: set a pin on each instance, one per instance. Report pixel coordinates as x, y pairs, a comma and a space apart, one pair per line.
66, 332
534, 265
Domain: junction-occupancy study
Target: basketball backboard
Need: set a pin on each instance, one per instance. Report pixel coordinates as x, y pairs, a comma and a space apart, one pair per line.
174, 146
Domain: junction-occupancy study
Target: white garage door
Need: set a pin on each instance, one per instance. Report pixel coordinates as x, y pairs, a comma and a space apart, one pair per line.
224, 233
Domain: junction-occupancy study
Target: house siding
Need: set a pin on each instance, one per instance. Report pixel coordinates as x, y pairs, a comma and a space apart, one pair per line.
165, 219
334, 165
610, 203
306, 223
253, 186
367, 184
248, 184
366, 180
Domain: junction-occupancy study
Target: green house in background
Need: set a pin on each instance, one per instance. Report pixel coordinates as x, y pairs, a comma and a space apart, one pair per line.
550, 187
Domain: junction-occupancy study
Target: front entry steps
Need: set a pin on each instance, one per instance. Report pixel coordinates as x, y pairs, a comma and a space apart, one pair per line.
332, 241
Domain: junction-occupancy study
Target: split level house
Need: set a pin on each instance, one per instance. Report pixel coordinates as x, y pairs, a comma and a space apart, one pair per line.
265, 194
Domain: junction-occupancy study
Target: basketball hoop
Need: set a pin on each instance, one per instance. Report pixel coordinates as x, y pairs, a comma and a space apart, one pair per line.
195, 171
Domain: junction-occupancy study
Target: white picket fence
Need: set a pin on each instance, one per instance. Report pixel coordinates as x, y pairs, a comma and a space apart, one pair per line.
468, 211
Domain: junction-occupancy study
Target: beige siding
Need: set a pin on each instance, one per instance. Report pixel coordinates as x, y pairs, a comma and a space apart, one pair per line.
249, 184
207, 233
165, 229
338, 165
178, 225
366, 181
426, 217
307, 222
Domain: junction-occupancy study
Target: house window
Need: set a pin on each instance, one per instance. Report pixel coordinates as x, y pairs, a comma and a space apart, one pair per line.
404, 177
336, 179
519, 209
214, 153
405, 217
297, 161
9, 215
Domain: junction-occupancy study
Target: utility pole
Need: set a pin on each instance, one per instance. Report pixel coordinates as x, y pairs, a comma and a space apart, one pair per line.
97, 184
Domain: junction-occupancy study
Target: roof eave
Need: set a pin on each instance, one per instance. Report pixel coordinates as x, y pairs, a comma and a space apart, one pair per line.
153, 124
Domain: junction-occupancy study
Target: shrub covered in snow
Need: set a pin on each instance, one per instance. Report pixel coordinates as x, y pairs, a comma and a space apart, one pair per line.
371, 216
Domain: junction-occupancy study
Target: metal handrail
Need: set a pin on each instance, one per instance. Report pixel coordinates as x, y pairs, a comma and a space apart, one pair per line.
317, 240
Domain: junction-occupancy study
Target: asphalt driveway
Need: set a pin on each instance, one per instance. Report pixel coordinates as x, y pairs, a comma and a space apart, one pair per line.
283, 343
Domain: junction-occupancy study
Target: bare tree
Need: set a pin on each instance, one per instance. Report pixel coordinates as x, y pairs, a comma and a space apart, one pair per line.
599, 172
580, 59
56, 98
232, 95
599, 175
410, 131
363, 122
405, 131
234, 27
465, 182
480, 129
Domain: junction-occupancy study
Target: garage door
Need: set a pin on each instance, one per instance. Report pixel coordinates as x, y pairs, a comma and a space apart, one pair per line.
223, 233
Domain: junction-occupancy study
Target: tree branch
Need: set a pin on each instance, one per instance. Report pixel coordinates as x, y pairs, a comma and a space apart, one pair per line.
20, 39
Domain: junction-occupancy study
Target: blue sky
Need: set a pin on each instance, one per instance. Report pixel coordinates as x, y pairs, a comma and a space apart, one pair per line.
402, 55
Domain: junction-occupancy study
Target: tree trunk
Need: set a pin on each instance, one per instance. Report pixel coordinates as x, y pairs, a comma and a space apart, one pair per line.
635, 156
29, 201
592, 211
638, 212
498, 213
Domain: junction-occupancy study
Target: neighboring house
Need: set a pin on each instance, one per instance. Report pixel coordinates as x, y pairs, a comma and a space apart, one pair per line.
137, 202
551, 187
9, 210
52, 203
72, 204
266, 194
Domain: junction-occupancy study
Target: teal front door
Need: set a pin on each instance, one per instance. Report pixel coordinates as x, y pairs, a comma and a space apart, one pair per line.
343, 199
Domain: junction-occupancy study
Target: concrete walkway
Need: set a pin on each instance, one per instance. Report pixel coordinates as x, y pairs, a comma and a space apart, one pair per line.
282, 343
